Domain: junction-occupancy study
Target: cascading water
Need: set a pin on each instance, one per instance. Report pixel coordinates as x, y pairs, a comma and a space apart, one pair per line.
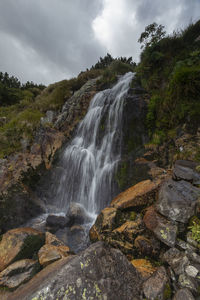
91, 159
88, 164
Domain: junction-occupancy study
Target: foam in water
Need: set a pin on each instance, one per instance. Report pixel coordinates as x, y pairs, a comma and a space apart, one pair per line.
89, 162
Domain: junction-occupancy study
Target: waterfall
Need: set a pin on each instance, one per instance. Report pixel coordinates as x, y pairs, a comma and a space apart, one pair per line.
89, 162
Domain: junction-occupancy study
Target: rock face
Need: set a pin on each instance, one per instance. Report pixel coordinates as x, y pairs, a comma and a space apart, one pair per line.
18, 273
18, 244
178, 200
99, 272
140, 194
186, 170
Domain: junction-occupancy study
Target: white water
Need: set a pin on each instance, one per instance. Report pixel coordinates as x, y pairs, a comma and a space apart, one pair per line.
86, 171
90, 160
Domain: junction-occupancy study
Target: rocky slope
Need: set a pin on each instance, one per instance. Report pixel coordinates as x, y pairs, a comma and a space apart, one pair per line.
146, 246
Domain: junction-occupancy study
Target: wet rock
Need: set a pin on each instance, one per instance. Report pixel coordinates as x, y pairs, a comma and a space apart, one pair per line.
144, 267
52, 239
18, 273
77, 214
18, 244
164, 230
186, 170
147, 246
178, 200
50, 253
176, 259
57, 221
100, 272
183, 294
143, 193
154, 287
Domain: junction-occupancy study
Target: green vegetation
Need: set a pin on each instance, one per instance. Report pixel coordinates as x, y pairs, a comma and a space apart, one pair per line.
195, 229
170, 72
22, 105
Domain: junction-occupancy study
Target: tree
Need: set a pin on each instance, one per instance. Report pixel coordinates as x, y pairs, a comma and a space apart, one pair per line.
153, 33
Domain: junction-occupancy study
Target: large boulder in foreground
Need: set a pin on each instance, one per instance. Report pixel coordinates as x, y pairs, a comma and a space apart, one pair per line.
18, 244
178, 200
100, 272
143, 193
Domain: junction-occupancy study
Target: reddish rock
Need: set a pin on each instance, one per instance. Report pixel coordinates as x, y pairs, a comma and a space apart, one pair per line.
18, 244
144, 267
143, 193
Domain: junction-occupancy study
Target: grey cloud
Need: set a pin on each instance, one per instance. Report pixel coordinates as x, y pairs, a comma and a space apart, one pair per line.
49, 40
58, 31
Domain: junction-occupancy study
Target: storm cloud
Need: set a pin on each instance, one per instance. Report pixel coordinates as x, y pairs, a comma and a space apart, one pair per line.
49, 40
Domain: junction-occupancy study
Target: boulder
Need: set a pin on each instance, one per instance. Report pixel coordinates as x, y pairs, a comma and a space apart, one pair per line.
186, 170
19, 243
57, 221
164, 230
178, 200
99, 272
156, 285
143, 193
50, 253
183, 294
18, 273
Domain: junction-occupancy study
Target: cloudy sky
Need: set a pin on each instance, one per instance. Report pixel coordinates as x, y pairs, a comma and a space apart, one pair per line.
49, 40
